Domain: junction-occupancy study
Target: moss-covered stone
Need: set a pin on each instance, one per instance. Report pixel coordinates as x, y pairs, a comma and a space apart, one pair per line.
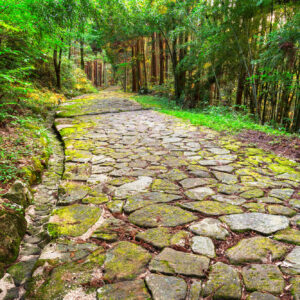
73, 220
70, 192
263, 278
129, 290
281, 210
62, 279
223, 283
21, 271
280, 169
213, 208
256, 249
255, 207
110, 229
13, 227
164, 185
170, 261
161, 215
162, 237
144, 199
288, 235
125, 261
295, 282
251, 194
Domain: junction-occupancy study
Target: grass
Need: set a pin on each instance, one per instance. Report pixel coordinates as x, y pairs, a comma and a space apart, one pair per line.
217, 118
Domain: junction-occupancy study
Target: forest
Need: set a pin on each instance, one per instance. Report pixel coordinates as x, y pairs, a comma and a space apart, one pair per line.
238, 54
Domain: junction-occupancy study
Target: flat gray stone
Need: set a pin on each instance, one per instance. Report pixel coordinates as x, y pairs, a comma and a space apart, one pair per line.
129, 290
223, 282
204, 246
195, 290
283, 194
134, 187
125, 261
259, 222
166, 287
263, 278
234, 200
210, 227
261, 296
291, 264
170, 261
143, 199
212, 208
161, 215
200, 193
226, 178
192, 182
256, 249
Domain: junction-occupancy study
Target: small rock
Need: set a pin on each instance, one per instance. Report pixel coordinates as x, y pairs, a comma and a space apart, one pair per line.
226, 178
295, 287
200, 193
283, 194
21, 271
124, 290
210, 227
125, 261
288, 235
261, 296
161, 215
256, 193
134, 187
263, 278
262, 223
170, 261
291, 264
73, 220
281, 210
204, 246
213, 208
223, 282
115, 206
166, 287
256, 249
195, 290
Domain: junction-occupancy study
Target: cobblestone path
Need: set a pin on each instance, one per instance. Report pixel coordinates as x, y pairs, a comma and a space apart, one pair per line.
151, 207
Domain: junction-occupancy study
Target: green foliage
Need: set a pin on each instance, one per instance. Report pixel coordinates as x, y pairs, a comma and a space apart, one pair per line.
219, 118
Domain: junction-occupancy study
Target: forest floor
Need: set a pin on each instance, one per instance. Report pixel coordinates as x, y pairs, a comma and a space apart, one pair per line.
153, 207
239, 124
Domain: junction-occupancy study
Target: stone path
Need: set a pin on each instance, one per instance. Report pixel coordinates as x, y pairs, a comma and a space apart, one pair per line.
150, 207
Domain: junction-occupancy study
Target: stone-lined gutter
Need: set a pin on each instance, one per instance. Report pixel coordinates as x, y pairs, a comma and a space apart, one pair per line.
29, 228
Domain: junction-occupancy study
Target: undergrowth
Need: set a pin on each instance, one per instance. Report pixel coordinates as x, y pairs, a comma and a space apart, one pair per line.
25, 143
215, 117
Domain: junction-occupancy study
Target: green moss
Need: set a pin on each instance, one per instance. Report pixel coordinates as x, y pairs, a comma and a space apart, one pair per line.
288, 235
125, 262
280, 169
73, 220
255, 193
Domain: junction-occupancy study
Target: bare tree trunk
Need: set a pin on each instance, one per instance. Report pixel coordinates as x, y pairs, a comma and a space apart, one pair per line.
134, 70
81, 54
145, 81
153, 60
57, 55
161, 60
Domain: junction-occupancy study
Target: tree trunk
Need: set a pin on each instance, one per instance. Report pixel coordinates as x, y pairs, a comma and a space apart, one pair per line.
153, 60
145, 80
240, 88
82, 55
138, 64
133, 70
161, 60
57, 55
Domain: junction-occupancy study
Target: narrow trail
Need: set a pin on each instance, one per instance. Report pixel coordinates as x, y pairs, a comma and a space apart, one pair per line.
151, 207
